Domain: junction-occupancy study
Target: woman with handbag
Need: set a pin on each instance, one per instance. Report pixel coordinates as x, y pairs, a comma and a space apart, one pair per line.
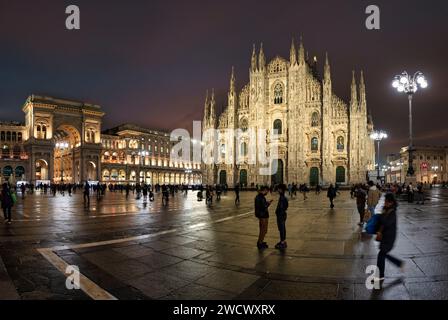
386, 235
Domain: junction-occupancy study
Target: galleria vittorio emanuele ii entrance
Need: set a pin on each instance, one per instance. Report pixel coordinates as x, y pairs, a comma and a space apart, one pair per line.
64, 140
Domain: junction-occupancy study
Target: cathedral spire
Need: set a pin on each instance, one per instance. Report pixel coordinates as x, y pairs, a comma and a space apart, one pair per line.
232, 81
254, 59
301, 52
354, 91
293, 54
362, 93
206, 109
327, 69
212, 107
261, 59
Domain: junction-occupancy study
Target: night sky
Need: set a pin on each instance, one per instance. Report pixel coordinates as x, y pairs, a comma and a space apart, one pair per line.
150, 62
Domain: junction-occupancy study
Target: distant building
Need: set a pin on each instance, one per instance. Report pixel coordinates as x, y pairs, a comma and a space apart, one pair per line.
429, 162
61, 141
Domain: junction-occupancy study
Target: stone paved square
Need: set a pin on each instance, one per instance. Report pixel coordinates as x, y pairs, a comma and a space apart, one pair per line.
174, 253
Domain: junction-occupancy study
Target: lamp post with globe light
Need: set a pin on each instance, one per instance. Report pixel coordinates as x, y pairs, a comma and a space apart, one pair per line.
409, 85
378, 136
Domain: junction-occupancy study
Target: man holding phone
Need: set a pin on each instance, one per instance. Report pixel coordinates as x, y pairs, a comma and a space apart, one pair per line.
262, 213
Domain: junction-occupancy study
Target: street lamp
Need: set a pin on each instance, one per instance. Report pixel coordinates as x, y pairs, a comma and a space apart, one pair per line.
409, 85
62, 146
378, 136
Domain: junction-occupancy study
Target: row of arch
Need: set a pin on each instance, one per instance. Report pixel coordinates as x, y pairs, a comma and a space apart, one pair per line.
149, 177
278, 177
8, 171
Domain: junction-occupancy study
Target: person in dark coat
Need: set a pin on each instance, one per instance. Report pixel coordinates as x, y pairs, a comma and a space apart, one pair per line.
387, 233
331, 194
262, 213
7, 202
237, 193
282, 206
86, 193
361, 197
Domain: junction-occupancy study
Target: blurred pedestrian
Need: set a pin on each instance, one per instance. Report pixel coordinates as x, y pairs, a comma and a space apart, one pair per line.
386, 235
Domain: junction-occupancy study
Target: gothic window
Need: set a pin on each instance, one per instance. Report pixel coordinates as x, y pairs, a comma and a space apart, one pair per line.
315, 119
223, 151
244, 149
340, 144
244, 124
278, 94
278, 126
314, 144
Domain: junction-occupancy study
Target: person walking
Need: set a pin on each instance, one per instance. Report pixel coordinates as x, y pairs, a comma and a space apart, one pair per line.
281, 214
23, 190
331, 194
386, 235
373, 197
7, 202
262, 213
360, 194
87, 194
237, 194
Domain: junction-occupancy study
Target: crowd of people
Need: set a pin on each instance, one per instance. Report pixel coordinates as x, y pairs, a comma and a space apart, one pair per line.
367, 197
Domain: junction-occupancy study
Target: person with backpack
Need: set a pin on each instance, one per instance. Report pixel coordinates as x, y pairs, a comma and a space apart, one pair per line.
262, 214
281, 214
386, 235
7, 202
373, 197
331, 194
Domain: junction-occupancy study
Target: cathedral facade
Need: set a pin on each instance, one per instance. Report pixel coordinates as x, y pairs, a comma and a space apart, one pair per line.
320, 138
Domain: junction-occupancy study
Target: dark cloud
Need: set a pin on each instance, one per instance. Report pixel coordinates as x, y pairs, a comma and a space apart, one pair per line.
150, 62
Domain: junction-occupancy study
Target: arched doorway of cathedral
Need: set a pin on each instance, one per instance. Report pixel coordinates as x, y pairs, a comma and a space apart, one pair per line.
314, 176
243, 177
222, 177
91, 171
67, 139
340, 174
277, 177
41, 169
